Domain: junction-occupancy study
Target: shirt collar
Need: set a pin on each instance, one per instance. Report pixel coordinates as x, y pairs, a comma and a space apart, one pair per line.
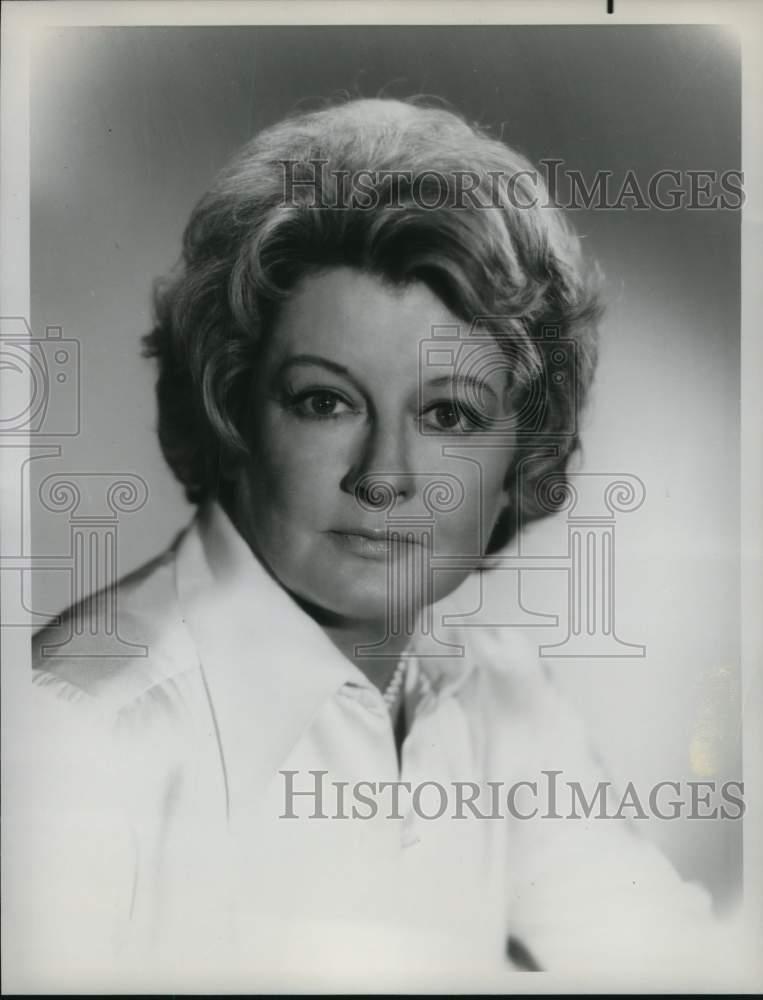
267, 666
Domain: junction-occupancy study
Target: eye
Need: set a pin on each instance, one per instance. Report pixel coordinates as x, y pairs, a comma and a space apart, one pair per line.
449, 416
319, 404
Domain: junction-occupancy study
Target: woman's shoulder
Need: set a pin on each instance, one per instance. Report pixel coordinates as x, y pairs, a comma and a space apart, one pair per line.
119, 643
525, 702
511, 661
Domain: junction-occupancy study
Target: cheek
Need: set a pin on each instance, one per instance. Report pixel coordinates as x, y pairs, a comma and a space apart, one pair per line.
293, 475
466, 529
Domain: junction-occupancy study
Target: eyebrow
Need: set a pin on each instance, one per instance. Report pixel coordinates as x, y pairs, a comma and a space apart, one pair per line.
314, 359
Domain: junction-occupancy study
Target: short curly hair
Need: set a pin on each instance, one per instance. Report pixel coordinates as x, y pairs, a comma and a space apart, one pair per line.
387, 194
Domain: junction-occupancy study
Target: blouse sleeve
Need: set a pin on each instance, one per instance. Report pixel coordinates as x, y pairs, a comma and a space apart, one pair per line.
587, 895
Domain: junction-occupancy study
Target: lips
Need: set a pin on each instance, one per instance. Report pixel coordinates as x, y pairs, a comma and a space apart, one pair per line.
375, 534
369, 542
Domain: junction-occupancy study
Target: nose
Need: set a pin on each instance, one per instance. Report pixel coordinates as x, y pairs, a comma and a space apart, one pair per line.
381, 476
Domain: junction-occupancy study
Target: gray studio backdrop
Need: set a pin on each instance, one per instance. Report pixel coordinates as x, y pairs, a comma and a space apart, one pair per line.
128, 128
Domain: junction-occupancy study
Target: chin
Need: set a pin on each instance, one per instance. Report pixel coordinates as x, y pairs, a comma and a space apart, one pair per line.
362, 604
345, 601
365, 595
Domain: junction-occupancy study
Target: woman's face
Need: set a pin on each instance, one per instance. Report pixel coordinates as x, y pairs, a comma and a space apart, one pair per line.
354, 401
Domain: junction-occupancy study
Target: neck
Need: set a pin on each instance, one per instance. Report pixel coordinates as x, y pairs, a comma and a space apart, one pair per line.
350, 637
378, 669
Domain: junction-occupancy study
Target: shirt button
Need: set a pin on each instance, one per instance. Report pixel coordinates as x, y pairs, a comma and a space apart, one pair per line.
369, 700
365, 697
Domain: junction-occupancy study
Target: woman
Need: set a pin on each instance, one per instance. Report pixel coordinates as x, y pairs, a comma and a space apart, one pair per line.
354, 387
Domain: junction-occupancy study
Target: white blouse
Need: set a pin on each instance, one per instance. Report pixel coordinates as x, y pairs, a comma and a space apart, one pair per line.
220, 813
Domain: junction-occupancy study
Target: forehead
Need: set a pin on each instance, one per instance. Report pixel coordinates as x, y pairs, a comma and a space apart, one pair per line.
349, 314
